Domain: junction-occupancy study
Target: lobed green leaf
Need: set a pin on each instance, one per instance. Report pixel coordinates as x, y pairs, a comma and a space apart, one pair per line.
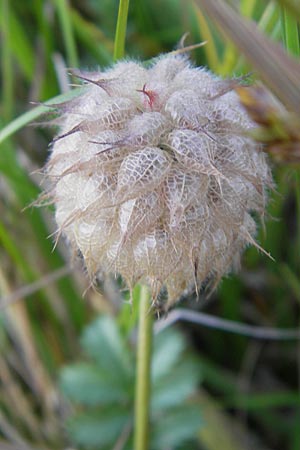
84, 383
168, 347
176, 386
103, 342
98, 429
176, 427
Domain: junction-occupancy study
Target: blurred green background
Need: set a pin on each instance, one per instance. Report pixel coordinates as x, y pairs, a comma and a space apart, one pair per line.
247, 390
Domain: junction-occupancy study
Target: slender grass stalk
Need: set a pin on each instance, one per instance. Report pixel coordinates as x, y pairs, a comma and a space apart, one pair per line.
143, 372
291, 278
229, 60
7, 71
269, 20
247, 7
291, 38
290, 32
210, 48
63, 10
232, 326
120, 36
20, 46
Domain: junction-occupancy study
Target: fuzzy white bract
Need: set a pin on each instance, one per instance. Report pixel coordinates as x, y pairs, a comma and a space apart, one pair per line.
154, 178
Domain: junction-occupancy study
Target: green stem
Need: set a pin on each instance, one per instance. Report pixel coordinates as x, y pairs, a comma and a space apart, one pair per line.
120, 36
143, 372
290, 32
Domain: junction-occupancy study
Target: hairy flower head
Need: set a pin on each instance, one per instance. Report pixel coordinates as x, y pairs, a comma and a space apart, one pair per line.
153, 176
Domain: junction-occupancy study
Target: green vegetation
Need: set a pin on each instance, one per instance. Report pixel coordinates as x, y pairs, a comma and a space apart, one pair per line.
249, 389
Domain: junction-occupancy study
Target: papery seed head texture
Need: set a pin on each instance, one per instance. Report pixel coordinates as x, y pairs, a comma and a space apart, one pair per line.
154, 178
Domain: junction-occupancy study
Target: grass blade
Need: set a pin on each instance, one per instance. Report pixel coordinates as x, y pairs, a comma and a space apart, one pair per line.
35, 113
206, 34
279, 71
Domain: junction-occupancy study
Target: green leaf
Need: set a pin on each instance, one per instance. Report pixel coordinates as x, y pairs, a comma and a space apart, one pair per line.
176, 427
29, 116
84, 383
168, 347
176, 386
103, 342
98, 429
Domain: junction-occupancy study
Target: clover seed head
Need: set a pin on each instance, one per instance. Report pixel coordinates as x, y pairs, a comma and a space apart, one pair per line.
154, 176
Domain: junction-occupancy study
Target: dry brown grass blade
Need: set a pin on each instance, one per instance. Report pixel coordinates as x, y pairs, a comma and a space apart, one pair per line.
291, 5
11, 393
279, 71
23, 361
18, 327
7, 446
8, 430
278, 129
29, 289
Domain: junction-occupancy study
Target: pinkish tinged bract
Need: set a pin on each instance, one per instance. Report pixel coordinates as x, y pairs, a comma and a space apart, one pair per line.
154, 178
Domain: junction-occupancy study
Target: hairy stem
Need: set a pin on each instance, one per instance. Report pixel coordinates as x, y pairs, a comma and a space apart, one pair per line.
143, 372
